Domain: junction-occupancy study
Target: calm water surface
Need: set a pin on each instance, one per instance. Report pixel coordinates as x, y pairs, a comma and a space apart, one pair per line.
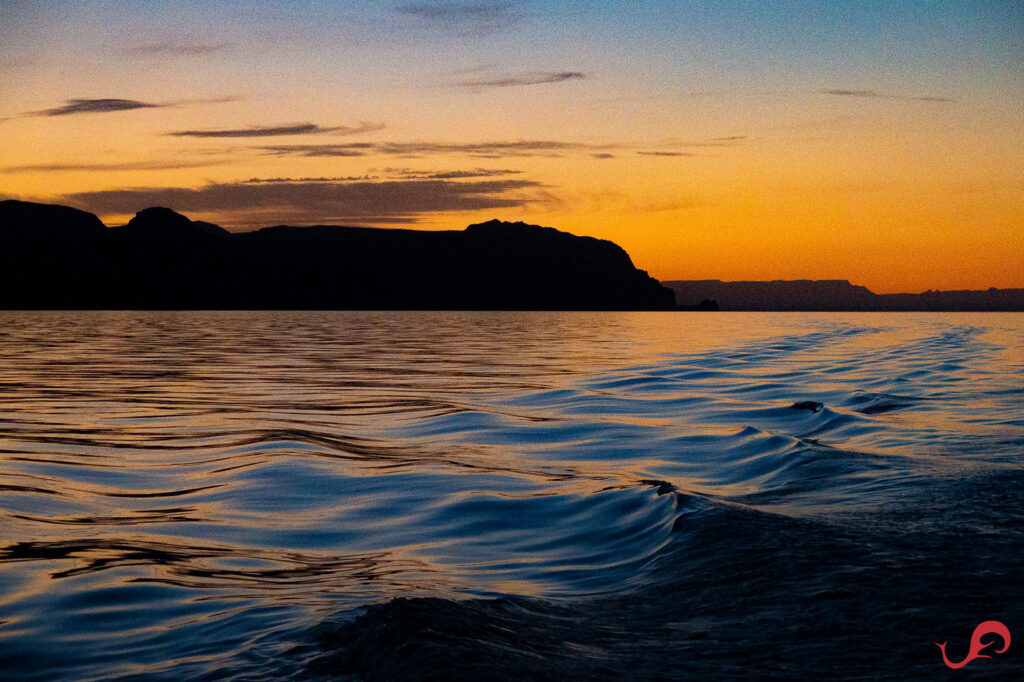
275, 495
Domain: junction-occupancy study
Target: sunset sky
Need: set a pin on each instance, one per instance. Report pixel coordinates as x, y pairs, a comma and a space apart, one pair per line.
872, 141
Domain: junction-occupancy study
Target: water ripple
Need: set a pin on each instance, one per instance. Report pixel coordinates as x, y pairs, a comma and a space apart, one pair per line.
191, 495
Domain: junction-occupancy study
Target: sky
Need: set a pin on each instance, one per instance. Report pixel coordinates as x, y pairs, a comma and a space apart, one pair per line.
879, 142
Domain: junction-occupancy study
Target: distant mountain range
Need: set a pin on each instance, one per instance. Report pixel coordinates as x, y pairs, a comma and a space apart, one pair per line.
836, 295
56, 257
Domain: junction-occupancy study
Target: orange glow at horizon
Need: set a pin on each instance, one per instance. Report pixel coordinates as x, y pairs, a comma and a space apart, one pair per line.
686, 161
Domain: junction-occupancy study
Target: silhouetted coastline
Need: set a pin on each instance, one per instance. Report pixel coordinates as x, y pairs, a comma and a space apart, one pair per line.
837, 295
58, 257
62, 258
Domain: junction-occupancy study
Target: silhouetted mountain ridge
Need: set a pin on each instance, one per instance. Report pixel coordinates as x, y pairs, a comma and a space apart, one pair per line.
27, 222
837, 295
59, 257
158, 223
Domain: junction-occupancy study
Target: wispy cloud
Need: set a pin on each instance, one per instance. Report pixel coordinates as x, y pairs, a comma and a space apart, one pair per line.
94, 106
464, 17
476, 149
281, 130
318, 150
170, 49
401, 174
410, 174
336, 178
524, 79
673, 145
107, 105
664, 153
496, 150
316, 201
111, 167
874, 94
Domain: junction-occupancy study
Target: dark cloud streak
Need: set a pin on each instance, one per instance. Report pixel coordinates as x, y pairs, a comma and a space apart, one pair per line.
874, 94
108, 105
316, 200
400, 174
663, 153
525, 79
493, 150
95, 106
477, 149
124, 166
410, 174
337, 178
318, 150
168, 49
283, 130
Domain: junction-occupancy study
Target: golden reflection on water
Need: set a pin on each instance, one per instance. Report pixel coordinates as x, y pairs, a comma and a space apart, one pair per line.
329, 459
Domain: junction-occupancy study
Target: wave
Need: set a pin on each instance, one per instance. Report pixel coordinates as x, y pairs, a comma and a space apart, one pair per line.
278, 495
738, 594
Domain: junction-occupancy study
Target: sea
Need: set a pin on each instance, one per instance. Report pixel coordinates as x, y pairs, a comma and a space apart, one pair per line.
510, 495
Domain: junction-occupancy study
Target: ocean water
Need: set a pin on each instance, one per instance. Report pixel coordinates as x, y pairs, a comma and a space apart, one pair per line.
409, 495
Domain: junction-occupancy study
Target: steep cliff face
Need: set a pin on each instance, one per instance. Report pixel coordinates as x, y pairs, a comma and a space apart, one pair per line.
162, 259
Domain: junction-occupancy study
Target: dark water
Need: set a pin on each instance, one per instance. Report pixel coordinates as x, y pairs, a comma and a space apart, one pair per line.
509, 495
